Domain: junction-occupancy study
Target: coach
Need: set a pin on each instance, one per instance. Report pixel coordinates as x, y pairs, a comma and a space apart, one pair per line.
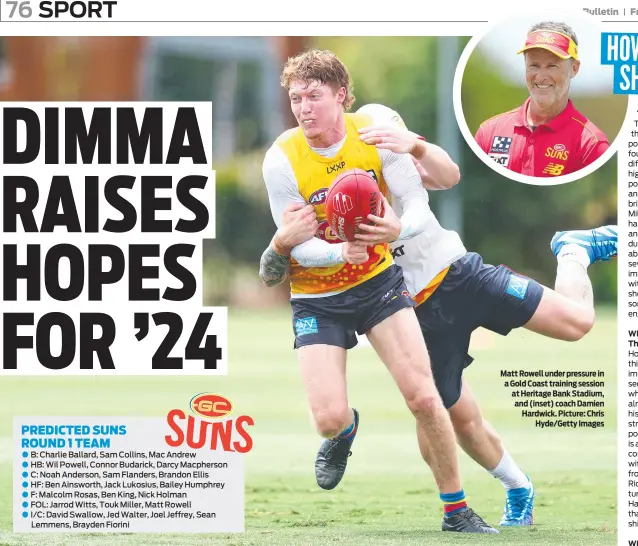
546, 136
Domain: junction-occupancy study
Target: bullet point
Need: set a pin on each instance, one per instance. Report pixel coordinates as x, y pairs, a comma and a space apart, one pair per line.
25, 484
25, 505
25, 514
25, 474
25, 464
25, 454
25, 495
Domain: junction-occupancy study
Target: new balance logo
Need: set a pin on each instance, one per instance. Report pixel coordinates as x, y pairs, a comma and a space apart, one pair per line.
554, 169
342, 203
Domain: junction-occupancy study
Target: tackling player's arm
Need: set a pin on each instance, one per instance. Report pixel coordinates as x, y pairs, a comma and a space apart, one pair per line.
282, 192
403, 182
436, 168
273, 267
299, 224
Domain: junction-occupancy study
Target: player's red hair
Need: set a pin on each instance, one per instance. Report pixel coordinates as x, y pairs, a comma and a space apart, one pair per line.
322, 66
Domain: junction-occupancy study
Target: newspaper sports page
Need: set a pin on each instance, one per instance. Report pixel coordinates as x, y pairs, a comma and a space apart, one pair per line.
316, 274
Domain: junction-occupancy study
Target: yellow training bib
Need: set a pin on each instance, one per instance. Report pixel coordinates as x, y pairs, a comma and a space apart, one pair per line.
314, 175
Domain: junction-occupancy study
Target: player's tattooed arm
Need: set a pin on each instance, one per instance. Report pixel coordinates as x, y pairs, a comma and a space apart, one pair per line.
299, 224
273, 267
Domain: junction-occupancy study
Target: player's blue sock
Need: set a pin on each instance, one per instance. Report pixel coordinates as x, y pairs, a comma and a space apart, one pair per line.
350, 431
453, 503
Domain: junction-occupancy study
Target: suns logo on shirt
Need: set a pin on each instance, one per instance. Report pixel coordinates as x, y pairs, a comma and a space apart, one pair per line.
559, 151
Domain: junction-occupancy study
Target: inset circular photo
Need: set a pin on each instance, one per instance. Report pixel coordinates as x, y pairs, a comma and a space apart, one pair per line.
533, 100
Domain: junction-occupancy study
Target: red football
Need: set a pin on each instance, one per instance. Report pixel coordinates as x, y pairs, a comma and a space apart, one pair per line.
351, 197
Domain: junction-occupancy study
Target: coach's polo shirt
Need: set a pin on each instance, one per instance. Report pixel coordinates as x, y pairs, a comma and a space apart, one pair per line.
564, 145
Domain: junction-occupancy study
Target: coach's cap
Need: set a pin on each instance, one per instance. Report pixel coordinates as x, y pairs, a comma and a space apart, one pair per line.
556, 42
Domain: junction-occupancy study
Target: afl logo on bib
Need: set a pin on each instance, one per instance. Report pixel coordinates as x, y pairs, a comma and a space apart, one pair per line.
318, 197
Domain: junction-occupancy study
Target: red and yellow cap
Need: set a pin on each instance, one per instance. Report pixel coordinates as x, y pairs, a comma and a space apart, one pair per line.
559, 44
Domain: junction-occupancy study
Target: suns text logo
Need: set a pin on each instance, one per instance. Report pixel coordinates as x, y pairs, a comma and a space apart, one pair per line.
210, 427
559, 151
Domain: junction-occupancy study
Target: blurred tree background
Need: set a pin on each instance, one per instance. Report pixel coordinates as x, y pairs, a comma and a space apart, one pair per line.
505, 221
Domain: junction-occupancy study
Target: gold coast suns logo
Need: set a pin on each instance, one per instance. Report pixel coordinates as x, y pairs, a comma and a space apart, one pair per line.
211, 406
326, 233
544, 38
210, 426
558, 151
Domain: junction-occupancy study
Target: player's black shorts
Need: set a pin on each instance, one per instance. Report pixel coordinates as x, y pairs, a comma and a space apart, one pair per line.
333, 320
472, 294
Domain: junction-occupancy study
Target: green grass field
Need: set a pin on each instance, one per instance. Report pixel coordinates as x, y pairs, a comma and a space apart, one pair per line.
388, 495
